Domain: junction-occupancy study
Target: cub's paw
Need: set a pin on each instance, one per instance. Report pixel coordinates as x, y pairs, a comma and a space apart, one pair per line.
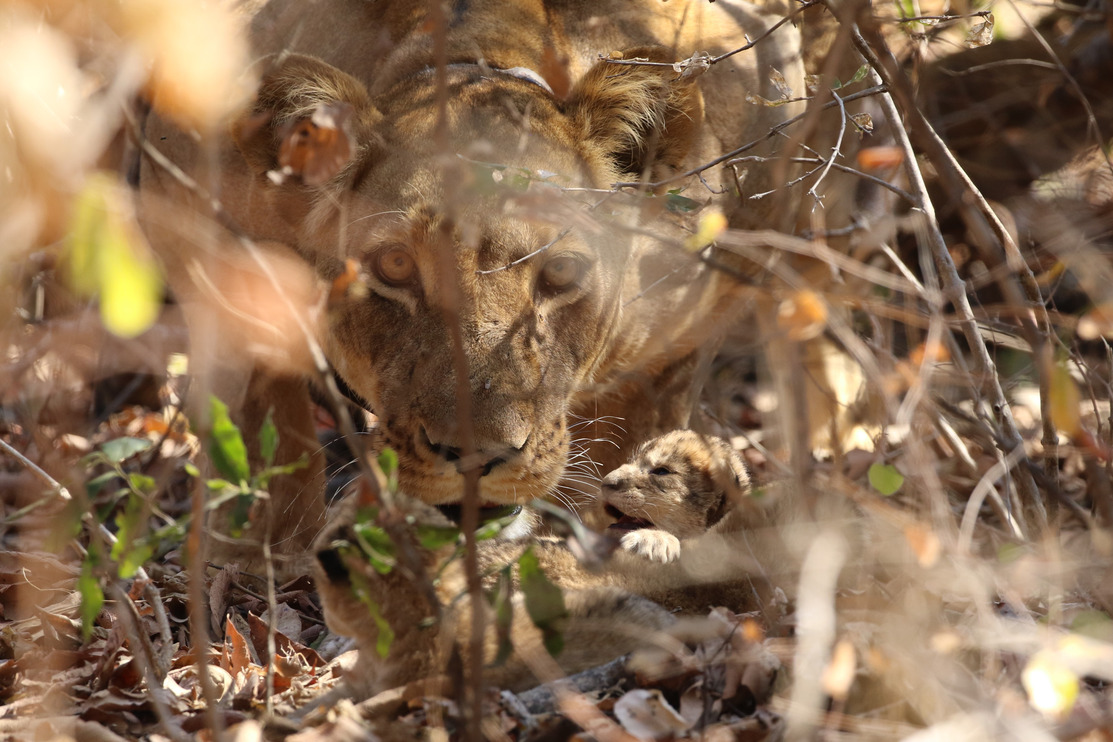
653, 544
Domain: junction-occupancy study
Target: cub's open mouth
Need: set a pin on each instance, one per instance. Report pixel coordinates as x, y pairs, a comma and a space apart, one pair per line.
625, 522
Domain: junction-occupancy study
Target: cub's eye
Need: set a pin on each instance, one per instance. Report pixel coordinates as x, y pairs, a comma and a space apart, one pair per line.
660, 471
395, 266
562, 272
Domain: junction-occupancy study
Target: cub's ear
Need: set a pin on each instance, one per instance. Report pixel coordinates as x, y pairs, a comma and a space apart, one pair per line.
307, 123
645, 118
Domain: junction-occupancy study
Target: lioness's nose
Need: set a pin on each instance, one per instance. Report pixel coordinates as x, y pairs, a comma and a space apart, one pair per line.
484, 459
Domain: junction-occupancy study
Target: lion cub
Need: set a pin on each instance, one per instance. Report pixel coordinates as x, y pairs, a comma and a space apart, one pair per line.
678, 486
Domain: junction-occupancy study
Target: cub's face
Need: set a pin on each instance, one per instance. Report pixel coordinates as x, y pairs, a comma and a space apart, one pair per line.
681, 482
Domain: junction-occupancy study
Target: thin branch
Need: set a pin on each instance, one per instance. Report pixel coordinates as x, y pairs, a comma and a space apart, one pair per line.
836, 150
564, 233
881, 182
953, 287
751, 43
773, 131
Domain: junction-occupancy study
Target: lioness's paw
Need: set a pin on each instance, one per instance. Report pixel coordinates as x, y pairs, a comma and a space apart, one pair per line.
658, 546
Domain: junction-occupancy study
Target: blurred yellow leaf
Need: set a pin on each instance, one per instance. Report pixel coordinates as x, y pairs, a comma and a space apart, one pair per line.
924, 544
1065, 400
711, 225
802, 315
197, 55
932, 353
1098, 322
108, 258
838, 676
1052, 687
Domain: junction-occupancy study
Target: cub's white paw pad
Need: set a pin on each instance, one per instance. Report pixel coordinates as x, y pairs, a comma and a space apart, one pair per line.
658, 546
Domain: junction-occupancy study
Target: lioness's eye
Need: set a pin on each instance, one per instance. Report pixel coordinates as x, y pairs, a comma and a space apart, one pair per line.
561, 272
660, 471
395, 266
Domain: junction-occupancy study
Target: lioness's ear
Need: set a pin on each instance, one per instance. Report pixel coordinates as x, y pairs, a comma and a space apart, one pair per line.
645, 118
307, 121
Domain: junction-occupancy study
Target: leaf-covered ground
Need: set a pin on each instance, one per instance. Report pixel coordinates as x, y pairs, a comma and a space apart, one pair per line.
944, 571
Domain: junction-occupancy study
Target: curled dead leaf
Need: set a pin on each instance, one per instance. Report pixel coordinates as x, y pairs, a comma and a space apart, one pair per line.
314, 149
981, 34
693, 66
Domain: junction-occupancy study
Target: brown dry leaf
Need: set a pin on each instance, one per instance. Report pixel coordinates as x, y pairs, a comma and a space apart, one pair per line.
694, 66
218, 593
647, 715
878, 158
924, 544
802, 316
864, 123
981, 34
236, 658
315, 149
839, 673
554, 70
779, 82
346, 285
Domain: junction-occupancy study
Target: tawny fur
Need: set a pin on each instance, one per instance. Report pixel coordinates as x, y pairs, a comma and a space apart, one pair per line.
684, 484
621, 341
626, 604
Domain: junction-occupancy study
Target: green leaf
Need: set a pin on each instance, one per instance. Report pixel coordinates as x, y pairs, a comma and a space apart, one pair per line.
107, 257
493, 528
374, 543
362, 590
192, 470
142, 483
131, 551
859, 75
264, 477
96, 484
544, 601
388, 463
678, 204
226, 447
503, 604
885, 478
92, 597
120, 449
268, 439
434, 537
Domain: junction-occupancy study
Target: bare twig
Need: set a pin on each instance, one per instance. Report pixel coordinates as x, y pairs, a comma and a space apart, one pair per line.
750, 43
773, 131
884, 65
834, 165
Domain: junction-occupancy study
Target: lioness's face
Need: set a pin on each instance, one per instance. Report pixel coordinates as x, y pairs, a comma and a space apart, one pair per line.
489, 293
469, 274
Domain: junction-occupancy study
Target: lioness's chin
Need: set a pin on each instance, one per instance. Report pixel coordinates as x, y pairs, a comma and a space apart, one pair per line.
515, 486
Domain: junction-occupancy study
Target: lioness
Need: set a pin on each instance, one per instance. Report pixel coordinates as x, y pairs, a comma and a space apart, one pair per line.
467, 212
